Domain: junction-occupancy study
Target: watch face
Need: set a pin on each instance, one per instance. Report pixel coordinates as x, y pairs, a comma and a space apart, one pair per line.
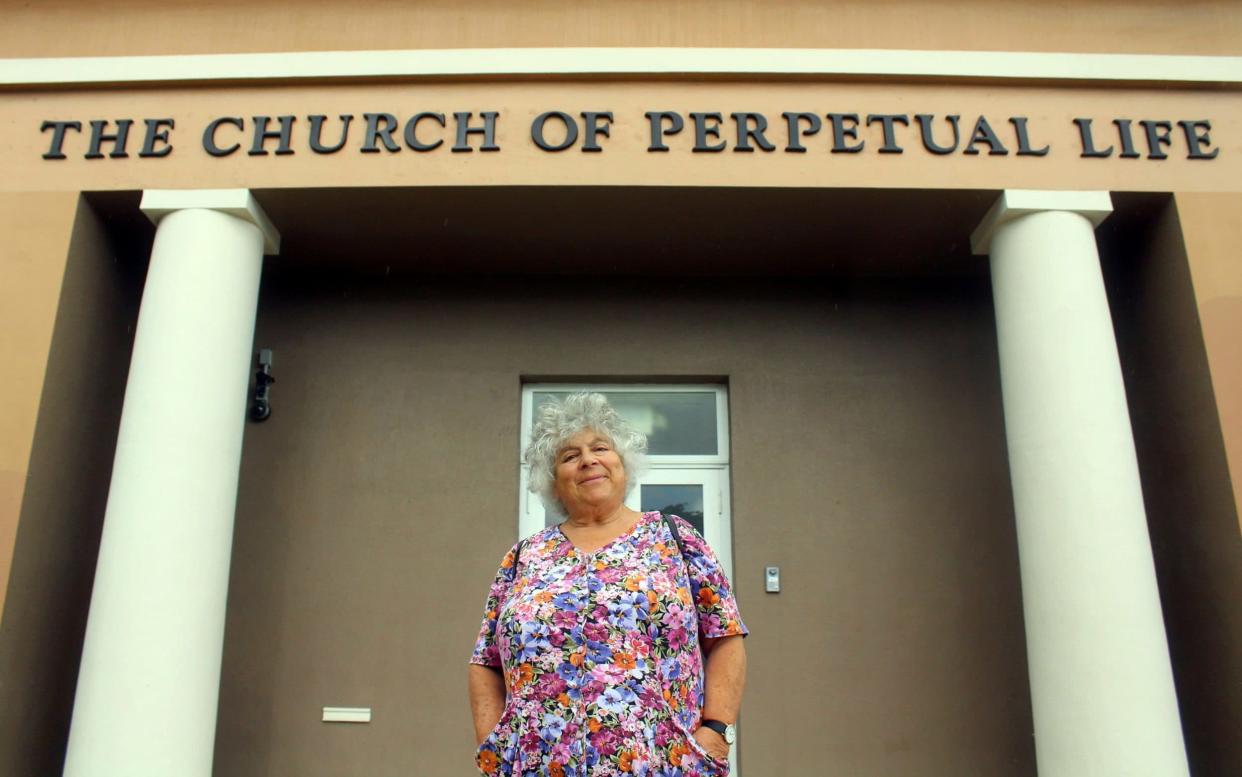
730, 734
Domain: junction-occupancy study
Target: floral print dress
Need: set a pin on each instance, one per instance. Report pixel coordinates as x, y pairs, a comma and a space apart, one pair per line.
600, 654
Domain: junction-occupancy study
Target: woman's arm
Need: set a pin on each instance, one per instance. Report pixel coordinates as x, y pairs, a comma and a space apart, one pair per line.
723, 686
487, 699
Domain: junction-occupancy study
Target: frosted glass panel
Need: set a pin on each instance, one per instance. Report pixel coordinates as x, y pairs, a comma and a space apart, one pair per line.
685, 500
675, 422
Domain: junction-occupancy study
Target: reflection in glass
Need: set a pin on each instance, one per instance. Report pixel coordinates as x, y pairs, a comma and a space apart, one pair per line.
685, 500
675, 422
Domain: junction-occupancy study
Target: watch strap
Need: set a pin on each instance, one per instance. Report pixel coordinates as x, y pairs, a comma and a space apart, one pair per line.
716, 725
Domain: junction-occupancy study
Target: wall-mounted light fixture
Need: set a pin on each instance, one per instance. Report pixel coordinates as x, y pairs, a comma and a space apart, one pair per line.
260, 407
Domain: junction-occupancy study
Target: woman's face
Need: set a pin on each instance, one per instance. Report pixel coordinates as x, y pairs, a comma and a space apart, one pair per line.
589, 473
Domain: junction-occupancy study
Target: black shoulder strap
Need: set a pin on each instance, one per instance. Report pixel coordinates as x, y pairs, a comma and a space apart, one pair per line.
672, 527
685, 563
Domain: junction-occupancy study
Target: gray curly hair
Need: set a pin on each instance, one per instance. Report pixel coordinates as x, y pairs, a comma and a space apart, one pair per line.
558, 420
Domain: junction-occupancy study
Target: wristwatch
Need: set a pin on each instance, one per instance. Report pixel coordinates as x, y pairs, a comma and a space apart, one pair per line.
725, 730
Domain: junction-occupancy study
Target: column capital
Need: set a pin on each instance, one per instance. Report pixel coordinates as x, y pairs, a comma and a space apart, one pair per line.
1014, 203
158, 203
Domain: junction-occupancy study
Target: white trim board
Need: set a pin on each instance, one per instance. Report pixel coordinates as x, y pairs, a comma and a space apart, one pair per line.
1117, 69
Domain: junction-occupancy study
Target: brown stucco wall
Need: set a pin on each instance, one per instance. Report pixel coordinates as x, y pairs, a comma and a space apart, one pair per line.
868, 462
65, 490
64, 28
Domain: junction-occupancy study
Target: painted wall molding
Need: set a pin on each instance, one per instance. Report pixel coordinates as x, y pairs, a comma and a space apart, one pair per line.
1056, 68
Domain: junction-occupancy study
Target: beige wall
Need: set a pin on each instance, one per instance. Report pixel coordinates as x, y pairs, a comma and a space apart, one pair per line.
1191, 509
625, 160
1212, 226
37, 231
70, 460
76, 28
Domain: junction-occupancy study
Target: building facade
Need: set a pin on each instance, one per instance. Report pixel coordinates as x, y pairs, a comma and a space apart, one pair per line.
931, 310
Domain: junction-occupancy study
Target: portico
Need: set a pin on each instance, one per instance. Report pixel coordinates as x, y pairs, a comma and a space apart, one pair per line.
1089, 607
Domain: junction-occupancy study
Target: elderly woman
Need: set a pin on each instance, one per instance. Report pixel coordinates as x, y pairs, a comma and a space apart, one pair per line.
611, 643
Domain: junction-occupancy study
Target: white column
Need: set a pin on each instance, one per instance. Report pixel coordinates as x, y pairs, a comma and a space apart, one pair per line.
1101, 682
150, 673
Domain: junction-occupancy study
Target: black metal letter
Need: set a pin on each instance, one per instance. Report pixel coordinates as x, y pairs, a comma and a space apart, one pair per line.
794, 120
1157, 136
745, 131
488, 131
929, 143
117, 139
1024, 138
571, 131
656, 121
262, 133
983, 133
840, 132
316, 133
702, 130
376, 132
209, 135
411, 131
1127, 139
1197, 137
1088, 143
887, 120
58, 136
157, 131
593, 129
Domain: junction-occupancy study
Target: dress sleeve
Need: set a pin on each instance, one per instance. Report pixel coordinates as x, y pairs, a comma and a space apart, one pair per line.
486, 648
713, 596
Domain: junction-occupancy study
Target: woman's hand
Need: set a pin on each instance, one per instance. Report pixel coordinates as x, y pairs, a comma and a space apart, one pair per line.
725, 680
713, 743
726, 677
